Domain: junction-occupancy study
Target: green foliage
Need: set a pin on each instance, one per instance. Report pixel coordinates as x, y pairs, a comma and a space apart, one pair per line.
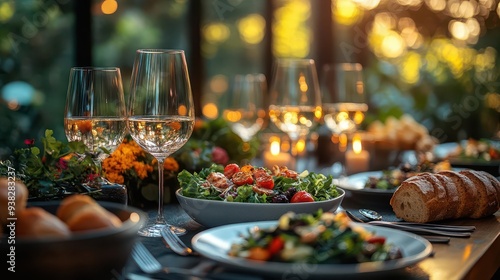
56, 170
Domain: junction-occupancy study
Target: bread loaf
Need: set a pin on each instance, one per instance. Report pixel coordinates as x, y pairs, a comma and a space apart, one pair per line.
35, 222
428, 197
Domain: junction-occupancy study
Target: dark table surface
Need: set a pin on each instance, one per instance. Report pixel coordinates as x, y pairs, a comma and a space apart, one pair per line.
477, 257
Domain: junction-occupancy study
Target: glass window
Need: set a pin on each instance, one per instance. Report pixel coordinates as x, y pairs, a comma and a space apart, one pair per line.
36, 52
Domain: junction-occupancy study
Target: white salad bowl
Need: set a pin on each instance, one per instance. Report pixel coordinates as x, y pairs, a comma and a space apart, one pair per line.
212, 213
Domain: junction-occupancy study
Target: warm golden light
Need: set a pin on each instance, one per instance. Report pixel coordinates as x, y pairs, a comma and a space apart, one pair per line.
7, 10
291, 31
232, 116
358, 117
251, 28
109, 7
346, 12
303, 83
182, 110
275, 148
393, 45
356, 144
210, 111
342, 142
300, 146
134, 217
216, 33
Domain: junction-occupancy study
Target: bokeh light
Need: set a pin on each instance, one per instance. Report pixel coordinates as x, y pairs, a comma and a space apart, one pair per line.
109, 7
251, 28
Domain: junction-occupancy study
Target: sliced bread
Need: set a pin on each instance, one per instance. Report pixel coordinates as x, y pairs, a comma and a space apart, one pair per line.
486, 202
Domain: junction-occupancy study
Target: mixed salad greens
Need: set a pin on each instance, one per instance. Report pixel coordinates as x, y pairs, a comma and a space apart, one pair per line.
314, 238
256, 184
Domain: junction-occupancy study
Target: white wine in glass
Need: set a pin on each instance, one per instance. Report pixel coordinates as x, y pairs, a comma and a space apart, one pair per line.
95, 110
344, 100
295, 106
160, 114
244, 110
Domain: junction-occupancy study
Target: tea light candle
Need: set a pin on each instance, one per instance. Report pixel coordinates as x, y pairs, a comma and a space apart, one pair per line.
357, 160
275, 157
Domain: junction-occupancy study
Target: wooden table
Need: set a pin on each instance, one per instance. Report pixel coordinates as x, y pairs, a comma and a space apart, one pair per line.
477, 257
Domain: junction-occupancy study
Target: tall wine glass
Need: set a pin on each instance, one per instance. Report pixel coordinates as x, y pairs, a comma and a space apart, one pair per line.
344, 100
244, 110
95, 110
160, 114
295, 105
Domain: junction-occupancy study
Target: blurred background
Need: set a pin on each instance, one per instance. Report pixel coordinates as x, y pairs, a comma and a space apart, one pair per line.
435, 60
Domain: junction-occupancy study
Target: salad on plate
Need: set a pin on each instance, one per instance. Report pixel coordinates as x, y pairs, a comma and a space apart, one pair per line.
314, 238
254, 184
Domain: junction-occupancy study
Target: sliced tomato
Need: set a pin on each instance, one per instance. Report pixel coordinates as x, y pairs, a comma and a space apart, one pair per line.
276, 244
242, 178
302, 196
264, 180
376, 240
230, 170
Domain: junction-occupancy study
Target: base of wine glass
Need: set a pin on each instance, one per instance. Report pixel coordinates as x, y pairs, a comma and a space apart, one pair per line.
153, 230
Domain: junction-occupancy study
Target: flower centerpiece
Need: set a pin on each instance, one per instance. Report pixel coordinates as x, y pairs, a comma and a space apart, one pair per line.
58, 168
211, 142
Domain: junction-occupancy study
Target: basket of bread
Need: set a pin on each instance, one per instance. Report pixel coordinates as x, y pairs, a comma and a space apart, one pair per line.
73, 238
444, 195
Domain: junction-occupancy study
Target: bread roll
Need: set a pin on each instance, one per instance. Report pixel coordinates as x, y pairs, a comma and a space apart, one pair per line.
468, 194
91, 217
81, 212
36, 222
72, 204
14, 192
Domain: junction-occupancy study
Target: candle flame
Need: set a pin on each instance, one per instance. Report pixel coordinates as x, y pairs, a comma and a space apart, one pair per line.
356, 145
275, 148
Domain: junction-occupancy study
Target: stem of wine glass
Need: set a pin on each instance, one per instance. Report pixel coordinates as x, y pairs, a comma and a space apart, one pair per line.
159, 218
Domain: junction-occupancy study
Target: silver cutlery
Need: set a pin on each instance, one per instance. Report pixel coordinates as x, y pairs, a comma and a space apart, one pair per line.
149, 264
175, 243
444, 238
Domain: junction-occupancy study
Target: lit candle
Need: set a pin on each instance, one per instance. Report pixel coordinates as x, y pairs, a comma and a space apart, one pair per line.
275, 157
357, 160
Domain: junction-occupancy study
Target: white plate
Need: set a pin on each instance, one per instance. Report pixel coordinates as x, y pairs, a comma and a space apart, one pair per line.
356, 183
212, 213
215, 243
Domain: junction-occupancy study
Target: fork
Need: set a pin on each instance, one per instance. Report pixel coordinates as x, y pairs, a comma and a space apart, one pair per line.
149, 264
175, 243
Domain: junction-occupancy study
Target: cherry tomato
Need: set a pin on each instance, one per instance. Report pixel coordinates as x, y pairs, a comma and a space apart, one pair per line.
242, 178
259, 254
230, 170
276, 245
264, 180
376, 240
302, 196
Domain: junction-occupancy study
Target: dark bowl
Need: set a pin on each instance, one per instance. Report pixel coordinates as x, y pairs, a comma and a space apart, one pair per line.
96, 254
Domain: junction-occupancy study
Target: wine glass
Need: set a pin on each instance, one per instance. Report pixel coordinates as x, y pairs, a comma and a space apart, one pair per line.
295, 105
160, 114
95, 111
344, 101
244, 110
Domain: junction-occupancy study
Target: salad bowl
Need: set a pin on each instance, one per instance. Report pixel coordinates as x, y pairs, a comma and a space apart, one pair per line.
213, 213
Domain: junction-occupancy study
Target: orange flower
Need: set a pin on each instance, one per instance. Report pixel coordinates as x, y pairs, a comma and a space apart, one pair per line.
171, 164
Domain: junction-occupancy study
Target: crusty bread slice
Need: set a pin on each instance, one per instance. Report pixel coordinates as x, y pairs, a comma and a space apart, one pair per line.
494, 181
466, 192
439, 193
415, 201
486, 202
452, 197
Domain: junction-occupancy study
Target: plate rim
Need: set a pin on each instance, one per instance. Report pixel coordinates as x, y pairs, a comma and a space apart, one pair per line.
344, 183
323, 269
